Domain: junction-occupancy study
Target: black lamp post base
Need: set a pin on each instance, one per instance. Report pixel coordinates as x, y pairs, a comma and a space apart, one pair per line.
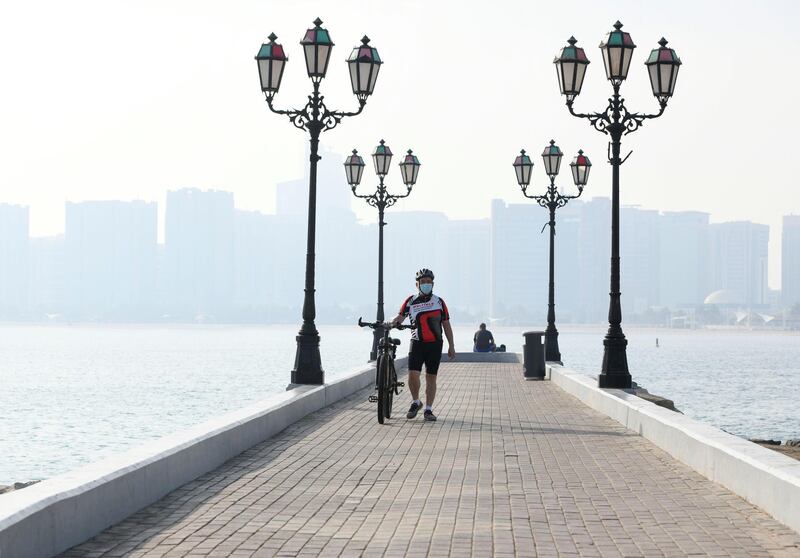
307, 361
551, 351
618, 380
615, 364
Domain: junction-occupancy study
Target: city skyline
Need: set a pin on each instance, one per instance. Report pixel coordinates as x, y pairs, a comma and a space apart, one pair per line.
222, 263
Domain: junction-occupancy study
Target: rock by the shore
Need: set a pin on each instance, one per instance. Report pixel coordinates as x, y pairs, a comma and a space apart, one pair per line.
16, 486
794, 443
639, 391
766, 442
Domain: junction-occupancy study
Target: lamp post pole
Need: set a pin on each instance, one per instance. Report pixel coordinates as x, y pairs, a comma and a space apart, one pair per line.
616, 121
381, 199
551, 200
315, 118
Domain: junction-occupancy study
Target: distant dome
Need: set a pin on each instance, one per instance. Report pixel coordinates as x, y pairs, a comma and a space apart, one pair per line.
722, 296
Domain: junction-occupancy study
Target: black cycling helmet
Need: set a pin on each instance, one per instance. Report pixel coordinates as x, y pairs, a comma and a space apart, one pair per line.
424, 272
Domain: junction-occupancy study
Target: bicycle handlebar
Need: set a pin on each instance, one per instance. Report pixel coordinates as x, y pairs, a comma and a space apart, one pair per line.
382, 325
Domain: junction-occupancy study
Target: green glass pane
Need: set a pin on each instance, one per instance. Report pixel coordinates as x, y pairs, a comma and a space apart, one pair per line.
615, 39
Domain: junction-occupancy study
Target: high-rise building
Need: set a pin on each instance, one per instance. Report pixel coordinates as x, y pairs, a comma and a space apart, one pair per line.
48, 277
790, 261
640, 259
685, 258
110, 259
520, 260
739, 257
14, 254
594, 248
466, 265
199, 253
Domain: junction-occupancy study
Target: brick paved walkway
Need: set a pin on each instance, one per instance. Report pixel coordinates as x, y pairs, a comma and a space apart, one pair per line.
511, 468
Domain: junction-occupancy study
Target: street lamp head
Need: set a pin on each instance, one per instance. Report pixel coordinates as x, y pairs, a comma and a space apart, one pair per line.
364, 63
552, 159
617, 53
409, 168
523, 166
382, 157
580, 166
571, 68
271, 61
353, 169
317, 45
663, 65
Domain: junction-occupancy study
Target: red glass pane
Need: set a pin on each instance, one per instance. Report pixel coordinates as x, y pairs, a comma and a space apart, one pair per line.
277, 51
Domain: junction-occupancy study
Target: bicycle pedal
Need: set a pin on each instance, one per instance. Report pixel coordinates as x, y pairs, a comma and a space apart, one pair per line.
400, 384
373, 398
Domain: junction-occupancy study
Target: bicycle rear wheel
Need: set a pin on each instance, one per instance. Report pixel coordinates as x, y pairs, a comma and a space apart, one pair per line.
383, 371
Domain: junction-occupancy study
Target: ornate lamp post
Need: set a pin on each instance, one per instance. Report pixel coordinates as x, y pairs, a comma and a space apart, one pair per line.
315, 118
616, 121
552, 200
381, 198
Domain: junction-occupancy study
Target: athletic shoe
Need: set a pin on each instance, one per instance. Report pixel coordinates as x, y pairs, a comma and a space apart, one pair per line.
430, 416
412, 412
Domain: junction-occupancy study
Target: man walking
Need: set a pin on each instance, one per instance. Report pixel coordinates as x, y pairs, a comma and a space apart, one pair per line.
429, 317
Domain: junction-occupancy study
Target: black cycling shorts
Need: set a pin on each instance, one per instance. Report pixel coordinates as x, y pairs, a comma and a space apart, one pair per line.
429, 354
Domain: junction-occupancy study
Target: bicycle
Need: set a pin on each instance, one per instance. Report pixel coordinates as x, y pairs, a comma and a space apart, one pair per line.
385, 375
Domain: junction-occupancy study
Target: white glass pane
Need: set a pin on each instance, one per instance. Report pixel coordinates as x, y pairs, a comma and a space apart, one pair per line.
363, 81
626, 62
575, 175
354, 76
526, 174
666, 75
569, 77
580, 72
654, 78
323, 55
310, 63
616, 61
518, 170
263, 73
277, 70
556, 163
674, 79
606, 62
560, 75
374, 79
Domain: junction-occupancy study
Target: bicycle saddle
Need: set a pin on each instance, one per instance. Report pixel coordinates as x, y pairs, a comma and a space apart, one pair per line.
395, 342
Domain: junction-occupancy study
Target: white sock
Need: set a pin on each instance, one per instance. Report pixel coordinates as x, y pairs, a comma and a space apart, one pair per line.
418, 402
428, 408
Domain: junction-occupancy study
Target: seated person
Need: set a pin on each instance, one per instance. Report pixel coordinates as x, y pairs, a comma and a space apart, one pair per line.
484, 341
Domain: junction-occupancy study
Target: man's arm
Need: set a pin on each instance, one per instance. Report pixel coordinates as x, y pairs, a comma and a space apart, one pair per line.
448, 331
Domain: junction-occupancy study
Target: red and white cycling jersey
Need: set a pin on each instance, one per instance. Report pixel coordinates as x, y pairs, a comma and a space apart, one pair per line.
427, 312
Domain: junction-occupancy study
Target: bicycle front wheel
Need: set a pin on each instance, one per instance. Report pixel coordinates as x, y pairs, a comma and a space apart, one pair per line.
383, 372
390, 388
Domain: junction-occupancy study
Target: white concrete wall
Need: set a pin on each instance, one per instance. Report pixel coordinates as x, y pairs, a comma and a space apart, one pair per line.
56, 514
761, 476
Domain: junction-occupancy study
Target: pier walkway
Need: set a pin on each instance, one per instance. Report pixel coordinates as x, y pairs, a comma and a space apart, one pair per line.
512, 468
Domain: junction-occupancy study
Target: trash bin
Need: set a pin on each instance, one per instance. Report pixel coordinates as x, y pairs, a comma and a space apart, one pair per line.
533, 355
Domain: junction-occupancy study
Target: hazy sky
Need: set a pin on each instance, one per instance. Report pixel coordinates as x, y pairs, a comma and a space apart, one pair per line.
102, 99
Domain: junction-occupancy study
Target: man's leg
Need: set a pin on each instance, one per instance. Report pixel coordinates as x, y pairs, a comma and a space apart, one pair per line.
413, 384
430, 389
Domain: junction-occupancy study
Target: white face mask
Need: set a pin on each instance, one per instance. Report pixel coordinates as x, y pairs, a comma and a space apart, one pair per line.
426, 288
